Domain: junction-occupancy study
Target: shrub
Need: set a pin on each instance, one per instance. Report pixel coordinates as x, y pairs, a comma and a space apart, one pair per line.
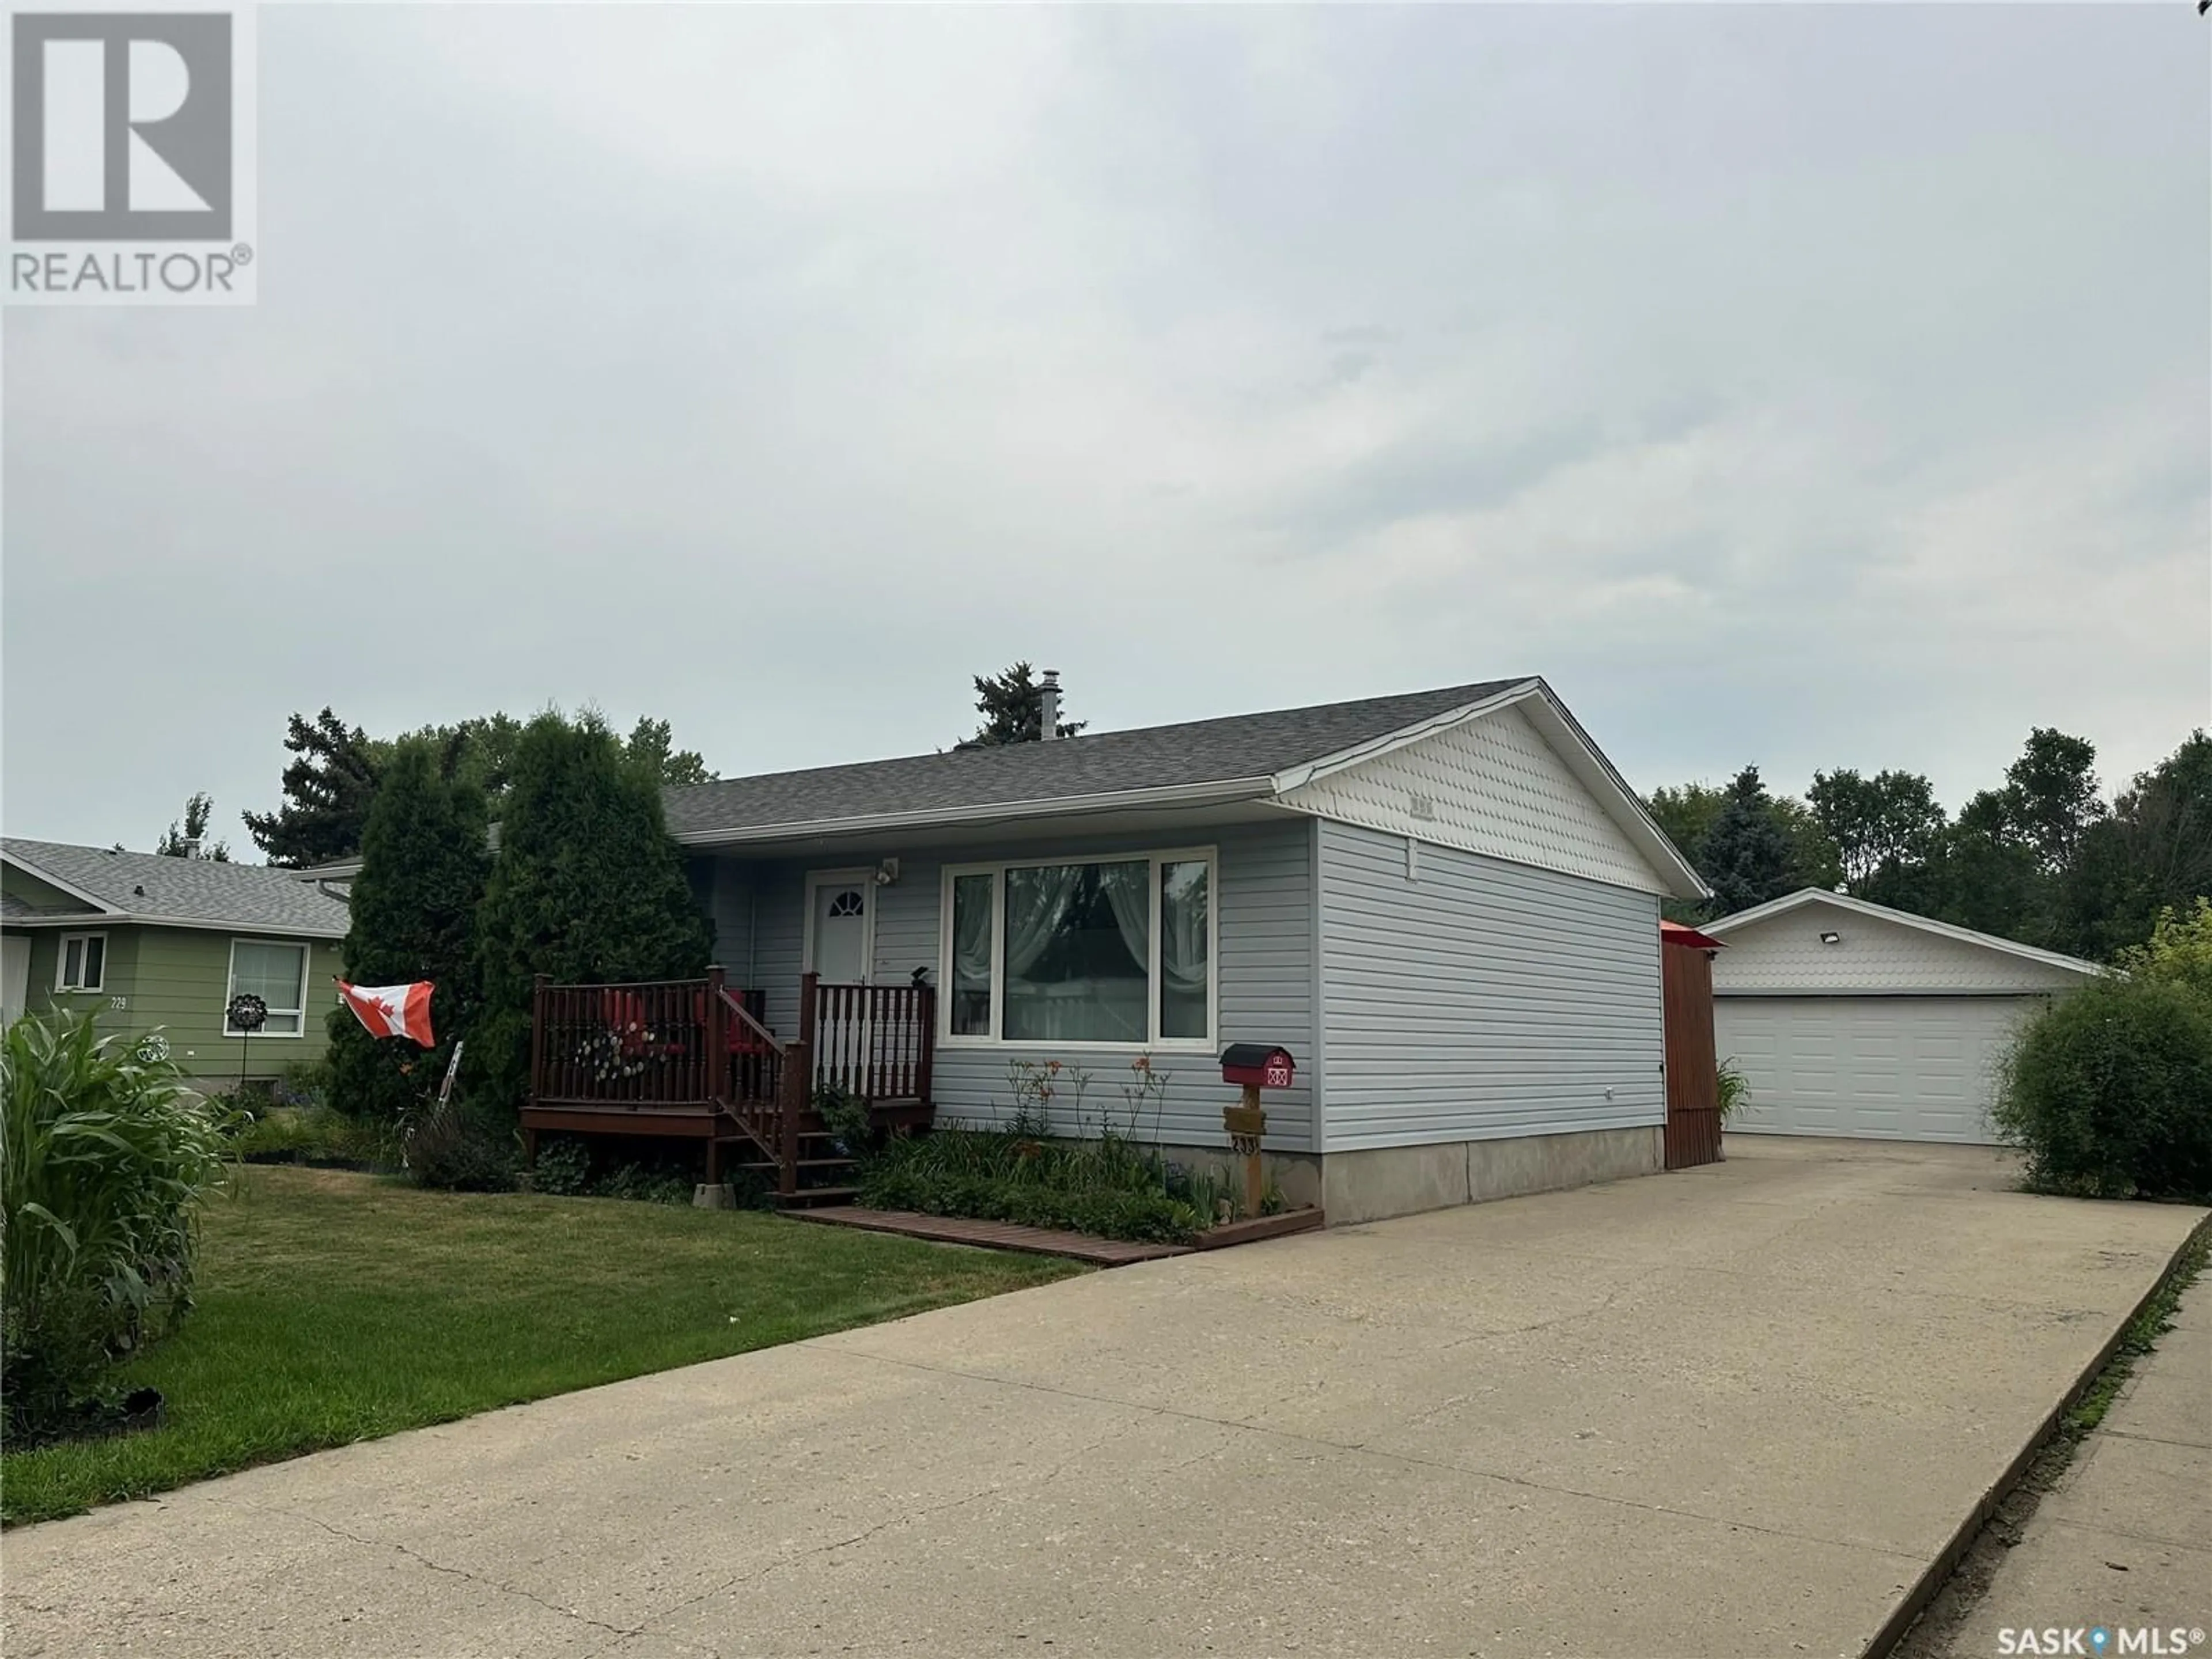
845, 1114
313, 1134
453, 1151
563, 1168
2178, 951
105, 1158
2109, 1092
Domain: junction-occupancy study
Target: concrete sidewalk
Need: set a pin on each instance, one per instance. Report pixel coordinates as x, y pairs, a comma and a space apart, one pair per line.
2124, 1539
1736, 1410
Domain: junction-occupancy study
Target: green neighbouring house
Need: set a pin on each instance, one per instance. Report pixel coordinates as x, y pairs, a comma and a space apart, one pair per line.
152, 943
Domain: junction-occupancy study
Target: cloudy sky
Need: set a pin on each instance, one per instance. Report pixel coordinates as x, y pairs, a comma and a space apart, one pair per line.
1811, 387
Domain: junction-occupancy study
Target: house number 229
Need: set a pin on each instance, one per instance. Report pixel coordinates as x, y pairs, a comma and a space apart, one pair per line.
118, 1002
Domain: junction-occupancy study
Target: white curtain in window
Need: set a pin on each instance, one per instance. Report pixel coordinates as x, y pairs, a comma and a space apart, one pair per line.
1037, 902
1127, 888
971, 989
1182, 925
276, 973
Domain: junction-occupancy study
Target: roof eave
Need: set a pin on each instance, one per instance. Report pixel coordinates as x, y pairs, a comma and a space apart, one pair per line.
131, 919
32, 868
1211, 794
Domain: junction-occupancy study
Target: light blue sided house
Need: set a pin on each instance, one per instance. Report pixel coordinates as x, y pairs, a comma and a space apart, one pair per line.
1445, 905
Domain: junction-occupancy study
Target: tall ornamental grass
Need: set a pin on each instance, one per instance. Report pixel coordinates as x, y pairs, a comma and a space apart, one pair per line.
107, 1156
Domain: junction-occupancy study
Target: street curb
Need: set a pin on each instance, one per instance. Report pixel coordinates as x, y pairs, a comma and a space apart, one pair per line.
1933, 1577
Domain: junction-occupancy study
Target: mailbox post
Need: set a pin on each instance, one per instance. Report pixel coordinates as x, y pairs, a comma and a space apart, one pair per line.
1255, 1065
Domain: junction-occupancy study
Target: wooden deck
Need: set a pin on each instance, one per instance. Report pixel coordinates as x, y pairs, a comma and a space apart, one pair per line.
995, 1234
695, 1060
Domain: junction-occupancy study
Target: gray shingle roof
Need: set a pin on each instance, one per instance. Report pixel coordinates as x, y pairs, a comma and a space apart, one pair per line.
142, 885
1195, 752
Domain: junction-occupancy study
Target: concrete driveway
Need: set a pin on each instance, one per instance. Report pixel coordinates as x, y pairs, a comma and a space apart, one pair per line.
1736, 1410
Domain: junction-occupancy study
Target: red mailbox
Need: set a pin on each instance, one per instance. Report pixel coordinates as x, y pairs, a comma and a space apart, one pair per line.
1257, 1066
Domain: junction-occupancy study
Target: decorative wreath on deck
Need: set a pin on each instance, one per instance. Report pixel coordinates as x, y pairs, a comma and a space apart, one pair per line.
612, 1055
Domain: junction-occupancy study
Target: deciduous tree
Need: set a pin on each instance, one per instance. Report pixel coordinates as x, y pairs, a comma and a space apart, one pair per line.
189, 840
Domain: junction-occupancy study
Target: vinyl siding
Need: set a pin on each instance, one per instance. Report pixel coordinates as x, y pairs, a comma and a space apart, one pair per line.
177, 979
1264, 956
1785, 954
1481, 998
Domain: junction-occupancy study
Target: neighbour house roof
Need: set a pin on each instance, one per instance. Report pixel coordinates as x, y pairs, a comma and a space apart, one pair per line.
108, 886
1240, 757
1821, 898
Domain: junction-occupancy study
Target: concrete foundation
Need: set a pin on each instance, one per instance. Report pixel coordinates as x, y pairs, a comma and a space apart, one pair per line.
1377, 1182
1298, 1174
1380, 1182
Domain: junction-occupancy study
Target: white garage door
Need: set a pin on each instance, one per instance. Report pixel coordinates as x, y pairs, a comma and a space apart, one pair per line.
1892, 1068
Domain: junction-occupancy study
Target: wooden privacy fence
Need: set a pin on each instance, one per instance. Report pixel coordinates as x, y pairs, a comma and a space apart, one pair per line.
1693, 1085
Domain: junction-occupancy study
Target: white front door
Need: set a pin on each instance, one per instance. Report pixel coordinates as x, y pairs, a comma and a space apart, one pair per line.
840, 924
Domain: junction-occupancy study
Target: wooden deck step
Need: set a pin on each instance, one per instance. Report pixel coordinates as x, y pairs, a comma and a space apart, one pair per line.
808, 1198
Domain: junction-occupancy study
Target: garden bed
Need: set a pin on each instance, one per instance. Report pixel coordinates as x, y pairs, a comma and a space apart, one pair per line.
1107, 1188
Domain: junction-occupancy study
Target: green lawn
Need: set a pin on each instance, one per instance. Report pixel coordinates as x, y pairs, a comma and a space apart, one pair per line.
337, 1307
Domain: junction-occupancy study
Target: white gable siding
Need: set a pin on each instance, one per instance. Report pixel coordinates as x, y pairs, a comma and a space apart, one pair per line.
1784, 953
1481, 999
1491, 786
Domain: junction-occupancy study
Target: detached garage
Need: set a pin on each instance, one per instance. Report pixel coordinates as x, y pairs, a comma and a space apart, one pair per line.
1850, 1019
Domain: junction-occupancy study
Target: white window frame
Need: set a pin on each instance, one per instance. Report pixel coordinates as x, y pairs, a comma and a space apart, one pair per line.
996, 868
62, 986
306, 949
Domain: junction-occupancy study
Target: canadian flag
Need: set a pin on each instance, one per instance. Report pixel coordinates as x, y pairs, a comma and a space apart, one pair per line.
392, 1010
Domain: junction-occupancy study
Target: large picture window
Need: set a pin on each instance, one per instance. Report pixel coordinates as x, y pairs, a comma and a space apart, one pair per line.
1114, 950
277, 974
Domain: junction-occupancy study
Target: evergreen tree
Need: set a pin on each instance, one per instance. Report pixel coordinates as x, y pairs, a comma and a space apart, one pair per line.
586, 887
414, 916
327, 790
190, 840
1013, 707
1747, 855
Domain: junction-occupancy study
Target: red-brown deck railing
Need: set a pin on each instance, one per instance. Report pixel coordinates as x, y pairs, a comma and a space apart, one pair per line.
694, 1057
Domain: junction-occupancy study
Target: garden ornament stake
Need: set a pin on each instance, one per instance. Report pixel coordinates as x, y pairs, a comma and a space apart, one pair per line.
246, 1014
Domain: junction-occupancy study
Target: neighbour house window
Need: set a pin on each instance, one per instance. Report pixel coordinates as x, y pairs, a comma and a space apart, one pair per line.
83, 964
1116, 951
275, 971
